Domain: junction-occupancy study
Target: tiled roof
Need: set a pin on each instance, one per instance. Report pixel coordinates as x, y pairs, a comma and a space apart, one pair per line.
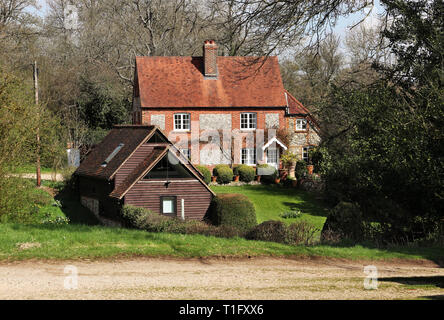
166, 82
294, 106
130, 136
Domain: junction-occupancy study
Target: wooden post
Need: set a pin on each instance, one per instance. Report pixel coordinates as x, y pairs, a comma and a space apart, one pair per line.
36, 90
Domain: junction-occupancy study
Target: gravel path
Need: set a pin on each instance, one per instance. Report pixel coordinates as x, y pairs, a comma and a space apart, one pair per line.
257, 278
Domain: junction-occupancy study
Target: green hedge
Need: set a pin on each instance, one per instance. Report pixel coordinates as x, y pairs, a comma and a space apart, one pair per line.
217, 167
246, 173
205, 172
224, 175
233, 210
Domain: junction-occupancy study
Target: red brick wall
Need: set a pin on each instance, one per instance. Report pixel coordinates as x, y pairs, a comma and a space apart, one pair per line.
195, 113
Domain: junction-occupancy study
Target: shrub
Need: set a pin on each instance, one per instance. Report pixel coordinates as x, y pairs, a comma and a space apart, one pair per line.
224, 175
344, 221
205, 172
246, 173
297, 233
268, 173
300, 232
295, 213
135, 217
217, 167
300, 169
233, 210
268, 231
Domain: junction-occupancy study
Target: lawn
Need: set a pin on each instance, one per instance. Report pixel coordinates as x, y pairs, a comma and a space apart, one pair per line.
84, 238
270, 201
30, 168
76, 241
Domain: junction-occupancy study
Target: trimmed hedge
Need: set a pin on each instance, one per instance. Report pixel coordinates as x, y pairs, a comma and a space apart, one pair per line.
233, 210
205, 172
224, 175
246, 173
217, 167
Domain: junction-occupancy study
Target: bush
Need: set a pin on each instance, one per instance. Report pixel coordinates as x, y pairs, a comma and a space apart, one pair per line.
233, 210
217, 167
205, 172
344, 222
268, 173
268, 231
301, 232
300, 170
135, 217
295, 213
276, 231
246, 173
224, 175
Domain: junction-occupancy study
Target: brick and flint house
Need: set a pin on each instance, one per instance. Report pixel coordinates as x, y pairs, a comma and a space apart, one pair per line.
194, 95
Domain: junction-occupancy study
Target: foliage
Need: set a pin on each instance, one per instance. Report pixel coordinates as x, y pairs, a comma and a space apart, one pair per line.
245, 172
295, 213
135, 216
224, 175
99, 107
268, 231
346, 221
288, 158
205, 172
20, 121
295, 234
232, 210
217, 167
301, 169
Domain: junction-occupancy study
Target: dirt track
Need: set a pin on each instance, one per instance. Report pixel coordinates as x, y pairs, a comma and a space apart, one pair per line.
260, 278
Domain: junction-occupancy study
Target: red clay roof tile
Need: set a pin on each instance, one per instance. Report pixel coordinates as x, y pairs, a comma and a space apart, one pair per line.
179, 82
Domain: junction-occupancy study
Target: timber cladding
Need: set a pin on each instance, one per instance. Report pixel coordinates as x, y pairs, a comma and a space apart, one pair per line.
115, 173
147, 194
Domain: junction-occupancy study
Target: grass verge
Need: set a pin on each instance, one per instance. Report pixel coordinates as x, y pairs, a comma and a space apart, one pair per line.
97, 242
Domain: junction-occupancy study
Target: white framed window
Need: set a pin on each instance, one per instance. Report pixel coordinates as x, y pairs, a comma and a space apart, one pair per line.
248, 156
301, 124
305, 153
182, 122
272, 156
168, 205
186, 153
248, 121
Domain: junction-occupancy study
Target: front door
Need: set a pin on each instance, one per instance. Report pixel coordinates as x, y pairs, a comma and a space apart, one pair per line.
273, 157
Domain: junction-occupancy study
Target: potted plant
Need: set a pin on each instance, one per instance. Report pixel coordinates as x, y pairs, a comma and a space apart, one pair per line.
236, 173
288, 159
310, 169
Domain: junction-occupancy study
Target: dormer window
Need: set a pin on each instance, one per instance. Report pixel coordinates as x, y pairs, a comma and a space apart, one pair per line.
248, 121
301, 124
182, 122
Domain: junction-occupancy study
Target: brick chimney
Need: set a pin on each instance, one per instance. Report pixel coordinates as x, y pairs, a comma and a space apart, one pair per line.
210, 58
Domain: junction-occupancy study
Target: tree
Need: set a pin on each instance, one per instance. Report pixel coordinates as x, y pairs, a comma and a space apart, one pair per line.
384, 147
